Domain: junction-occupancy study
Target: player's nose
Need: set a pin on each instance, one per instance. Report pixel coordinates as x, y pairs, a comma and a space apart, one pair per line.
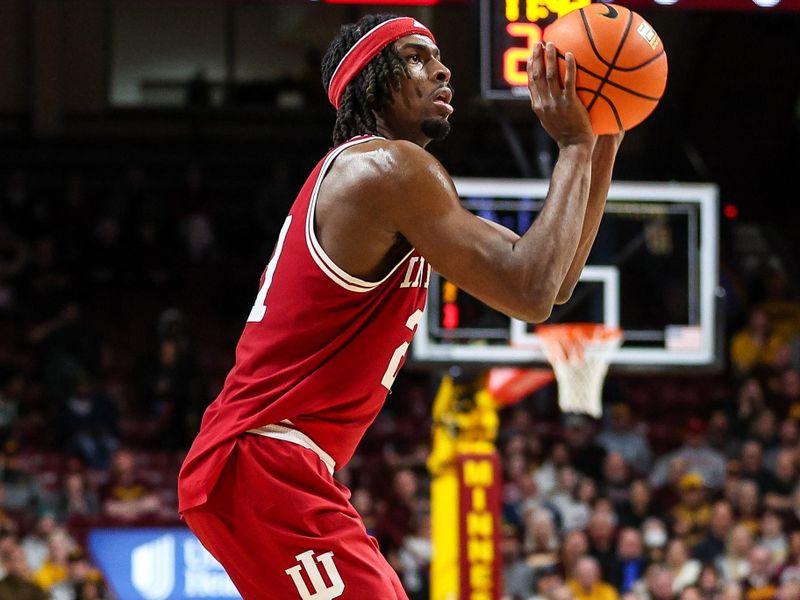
440, 73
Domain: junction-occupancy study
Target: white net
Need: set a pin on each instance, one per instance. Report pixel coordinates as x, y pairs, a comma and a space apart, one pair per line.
580, 355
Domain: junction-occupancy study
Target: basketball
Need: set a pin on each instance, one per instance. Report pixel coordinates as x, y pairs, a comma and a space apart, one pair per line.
621, 63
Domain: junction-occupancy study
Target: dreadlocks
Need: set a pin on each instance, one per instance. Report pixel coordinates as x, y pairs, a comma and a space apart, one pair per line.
371, 91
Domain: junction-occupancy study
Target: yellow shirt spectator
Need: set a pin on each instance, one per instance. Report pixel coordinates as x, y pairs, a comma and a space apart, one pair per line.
50, 574
599, 591
754, 345
586, 585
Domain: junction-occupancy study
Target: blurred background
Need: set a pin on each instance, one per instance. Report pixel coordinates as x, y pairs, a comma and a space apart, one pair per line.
149, 151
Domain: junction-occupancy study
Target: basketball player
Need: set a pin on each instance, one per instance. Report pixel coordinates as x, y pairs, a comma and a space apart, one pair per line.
342, 295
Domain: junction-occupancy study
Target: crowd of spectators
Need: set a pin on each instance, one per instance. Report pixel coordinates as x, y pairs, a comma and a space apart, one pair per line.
120, 303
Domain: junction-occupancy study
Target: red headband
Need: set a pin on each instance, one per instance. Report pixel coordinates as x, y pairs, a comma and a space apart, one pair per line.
367, 48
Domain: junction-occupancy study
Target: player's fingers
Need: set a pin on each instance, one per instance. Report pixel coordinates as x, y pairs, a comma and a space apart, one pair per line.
570, 72
535, 74
551, 70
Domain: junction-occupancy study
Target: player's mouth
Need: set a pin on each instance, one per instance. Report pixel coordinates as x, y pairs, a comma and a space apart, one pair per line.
443, 97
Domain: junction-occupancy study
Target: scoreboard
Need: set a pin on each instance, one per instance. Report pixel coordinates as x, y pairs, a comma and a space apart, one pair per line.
510, 28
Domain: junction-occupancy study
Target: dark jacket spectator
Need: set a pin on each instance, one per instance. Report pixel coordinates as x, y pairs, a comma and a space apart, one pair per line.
16, 585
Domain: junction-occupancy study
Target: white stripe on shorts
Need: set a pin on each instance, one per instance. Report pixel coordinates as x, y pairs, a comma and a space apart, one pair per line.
294, 436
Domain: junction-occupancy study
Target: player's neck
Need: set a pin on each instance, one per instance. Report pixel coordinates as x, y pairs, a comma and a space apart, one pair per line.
394, 131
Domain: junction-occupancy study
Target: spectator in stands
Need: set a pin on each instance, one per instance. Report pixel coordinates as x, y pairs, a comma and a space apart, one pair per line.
89, 423
791, 518
575, 545
55, 568
395, 521
747, 505
773, 538
16, 585
91, 590
639, 505
790, 390
602, 527
196, 225
698, 456
623, 435
616, 479
750, 401
631, 561
685, 570
788, 438
36, 543
709, 583
125, 496
731, 591
167, 392
573, 511
549, 584
764, 430
77, 498
588, 584
789, 590
415, 556
759, 582
734, 564
779, 484
718, 434
712, 545
656, 585
363, 502
541, 540
518, 575
21, 490
654, 535
586, 456
80, 572
755, 345
546, 476
693, 512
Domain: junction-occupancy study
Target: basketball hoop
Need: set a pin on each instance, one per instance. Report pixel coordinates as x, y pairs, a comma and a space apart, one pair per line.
580, 354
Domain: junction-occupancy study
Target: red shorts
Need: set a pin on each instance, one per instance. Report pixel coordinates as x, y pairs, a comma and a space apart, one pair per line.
284, 529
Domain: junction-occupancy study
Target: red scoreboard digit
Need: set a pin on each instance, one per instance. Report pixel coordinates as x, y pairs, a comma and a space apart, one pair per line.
509, 29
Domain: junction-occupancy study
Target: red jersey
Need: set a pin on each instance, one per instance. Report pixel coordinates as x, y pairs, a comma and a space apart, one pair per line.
319, 351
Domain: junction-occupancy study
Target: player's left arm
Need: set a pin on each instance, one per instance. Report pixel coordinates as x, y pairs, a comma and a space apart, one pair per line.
605, 152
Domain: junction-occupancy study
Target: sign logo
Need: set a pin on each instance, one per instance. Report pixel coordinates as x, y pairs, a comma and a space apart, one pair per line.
153, 568
612, 12
321, 590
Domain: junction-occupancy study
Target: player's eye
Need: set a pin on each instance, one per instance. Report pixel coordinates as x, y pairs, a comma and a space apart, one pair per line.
414, 58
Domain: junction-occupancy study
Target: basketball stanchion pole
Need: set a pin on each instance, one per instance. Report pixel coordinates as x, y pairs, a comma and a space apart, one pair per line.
467, 482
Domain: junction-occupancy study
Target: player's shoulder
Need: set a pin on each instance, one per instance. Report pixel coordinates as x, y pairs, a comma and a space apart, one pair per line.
377, 159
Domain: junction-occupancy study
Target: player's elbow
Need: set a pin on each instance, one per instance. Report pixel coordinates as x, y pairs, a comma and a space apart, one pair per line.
537, 309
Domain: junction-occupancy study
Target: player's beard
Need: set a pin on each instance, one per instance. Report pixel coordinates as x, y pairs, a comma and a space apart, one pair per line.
436, 128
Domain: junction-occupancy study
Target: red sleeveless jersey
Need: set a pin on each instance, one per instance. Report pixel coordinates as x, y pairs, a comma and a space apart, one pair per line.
319, 351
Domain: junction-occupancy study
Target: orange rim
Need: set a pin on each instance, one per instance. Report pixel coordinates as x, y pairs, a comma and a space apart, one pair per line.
579, 332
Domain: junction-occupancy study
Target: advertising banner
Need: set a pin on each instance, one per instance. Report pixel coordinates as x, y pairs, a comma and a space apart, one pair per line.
158, 564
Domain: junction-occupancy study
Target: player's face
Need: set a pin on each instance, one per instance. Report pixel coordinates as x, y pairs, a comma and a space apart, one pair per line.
422, 107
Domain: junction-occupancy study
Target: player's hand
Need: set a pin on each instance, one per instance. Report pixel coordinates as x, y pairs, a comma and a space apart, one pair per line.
558, 107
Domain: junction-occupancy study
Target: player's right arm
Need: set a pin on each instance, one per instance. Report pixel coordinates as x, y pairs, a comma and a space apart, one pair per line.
520, 276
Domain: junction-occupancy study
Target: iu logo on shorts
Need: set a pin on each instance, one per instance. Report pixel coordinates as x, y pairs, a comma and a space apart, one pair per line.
322, 591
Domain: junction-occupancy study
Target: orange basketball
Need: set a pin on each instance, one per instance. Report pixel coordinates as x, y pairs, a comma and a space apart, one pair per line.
622, 66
